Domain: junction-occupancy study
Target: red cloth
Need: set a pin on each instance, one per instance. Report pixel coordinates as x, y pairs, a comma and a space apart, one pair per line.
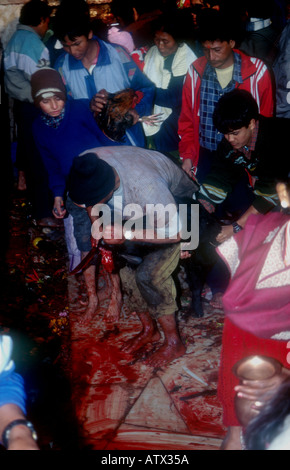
257, 300
238, 344
258, 296
139, 55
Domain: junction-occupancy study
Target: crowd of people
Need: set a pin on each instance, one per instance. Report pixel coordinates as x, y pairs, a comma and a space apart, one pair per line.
161, 106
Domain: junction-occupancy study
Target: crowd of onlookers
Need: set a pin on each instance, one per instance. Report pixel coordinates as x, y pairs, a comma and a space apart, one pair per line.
258, 29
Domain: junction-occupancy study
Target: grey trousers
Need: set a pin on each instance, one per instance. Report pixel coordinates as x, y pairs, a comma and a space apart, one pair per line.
151, 287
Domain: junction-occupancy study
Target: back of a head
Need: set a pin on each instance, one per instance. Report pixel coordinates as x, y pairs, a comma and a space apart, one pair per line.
147, 6
72, 20
214, 25
33, 12
123, 11
179, 24
90, 180
235, 110
260, 8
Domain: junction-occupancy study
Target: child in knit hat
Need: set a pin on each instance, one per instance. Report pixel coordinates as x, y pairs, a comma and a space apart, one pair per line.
49, 94
65, 129
46, 83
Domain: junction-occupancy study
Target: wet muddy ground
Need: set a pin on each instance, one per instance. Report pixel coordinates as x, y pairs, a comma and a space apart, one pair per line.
83, 392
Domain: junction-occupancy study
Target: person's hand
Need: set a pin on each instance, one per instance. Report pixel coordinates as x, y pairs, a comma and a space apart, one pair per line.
187, 165
20, 439
98, 101
226, 232
20, 436
260, 391
152, 120
283, 194
59, 210
113, 234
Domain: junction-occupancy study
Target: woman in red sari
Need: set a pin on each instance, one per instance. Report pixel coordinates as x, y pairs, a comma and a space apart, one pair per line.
257, 307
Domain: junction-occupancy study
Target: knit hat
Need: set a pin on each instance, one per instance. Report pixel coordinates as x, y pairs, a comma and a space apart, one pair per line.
45, 83
90, 180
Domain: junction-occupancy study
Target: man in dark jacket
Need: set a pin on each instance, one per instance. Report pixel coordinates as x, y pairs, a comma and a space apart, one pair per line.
254, 147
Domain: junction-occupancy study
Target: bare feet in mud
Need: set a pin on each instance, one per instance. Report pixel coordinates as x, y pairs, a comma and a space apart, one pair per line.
93, 301
148, 334
166, 354
171, 349
105, 292
112, 291
112, 315
91, 309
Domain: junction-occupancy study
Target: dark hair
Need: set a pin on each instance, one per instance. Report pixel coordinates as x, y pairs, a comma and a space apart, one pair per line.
214, 25
123, 11
259, 8
33, 12
179, 24
72, 20
235, 110
269, 423
147, 6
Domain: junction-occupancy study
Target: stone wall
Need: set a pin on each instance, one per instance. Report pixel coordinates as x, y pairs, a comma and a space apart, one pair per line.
9, 14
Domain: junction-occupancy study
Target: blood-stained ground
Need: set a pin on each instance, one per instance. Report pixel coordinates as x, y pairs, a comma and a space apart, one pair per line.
84, 392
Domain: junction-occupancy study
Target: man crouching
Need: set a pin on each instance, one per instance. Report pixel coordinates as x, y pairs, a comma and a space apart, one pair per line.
135, 180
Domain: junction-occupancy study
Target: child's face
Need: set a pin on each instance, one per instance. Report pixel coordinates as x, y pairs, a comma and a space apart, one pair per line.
52, 106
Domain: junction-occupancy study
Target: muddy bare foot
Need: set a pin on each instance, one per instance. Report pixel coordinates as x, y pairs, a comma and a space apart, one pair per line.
149, 334
90, 310
106, 291
167, 353
141, 340
112, 315
143, 353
